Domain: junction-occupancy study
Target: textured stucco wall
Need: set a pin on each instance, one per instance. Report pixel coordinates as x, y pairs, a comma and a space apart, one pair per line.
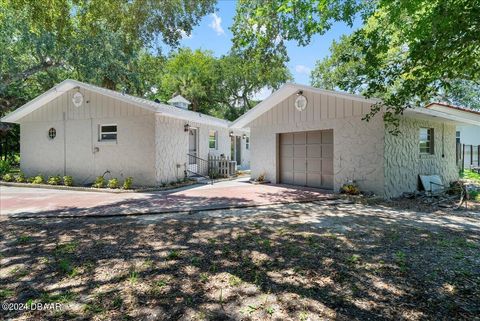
72, 151
403, 161
358, 145
172, 146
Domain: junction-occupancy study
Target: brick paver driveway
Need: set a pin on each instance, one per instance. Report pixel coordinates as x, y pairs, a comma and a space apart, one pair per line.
25, 202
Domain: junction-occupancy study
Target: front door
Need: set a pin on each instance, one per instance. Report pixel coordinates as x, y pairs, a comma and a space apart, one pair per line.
238, 150
192, 149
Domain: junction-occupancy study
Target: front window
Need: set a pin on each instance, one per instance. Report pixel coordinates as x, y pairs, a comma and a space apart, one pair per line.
52, 133
247, 143
107, 133
212, 139
458, 136
426, 140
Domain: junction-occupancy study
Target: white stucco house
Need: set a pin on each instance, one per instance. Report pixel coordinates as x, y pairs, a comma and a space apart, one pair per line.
85, 131
312, 137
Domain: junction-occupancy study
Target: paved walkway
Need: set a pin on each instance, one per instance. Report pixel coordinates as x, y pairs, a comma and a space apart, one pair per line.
28, 202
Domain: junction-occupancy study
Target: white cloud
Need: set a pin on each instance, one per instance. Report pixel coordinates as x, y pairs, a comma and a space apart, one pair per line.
302, 69
216, 24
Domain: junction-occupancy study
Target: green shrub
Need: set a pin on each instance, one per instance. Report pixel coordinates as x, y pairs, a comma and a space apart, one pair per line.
20, 178
127, 184
350, 189
7, 177
113, 183
68, 180
38, 179
54, 180
99, 182
4, 167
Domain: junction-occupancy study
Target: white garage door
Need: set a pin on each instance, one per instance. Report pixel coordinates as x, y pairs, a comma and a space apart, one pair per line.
306, 158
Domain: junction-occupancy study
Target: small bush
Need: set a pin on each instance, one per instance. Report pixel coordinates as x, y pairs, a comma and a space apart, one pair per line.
350, 189
38, 179
99, 182
113, 183
68, 180
54, 180
261, 178
20, 178
127, 184
8, 177
4, 167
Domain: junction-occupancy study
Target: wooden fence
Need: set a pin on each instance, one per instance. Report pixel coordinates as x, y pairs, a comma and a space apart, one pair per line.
220, 166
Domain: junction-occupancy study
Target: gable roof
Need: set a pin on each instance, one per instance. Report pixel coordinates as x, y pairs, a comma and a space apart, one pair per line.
286, 91
159, 108
179, 99
449, 113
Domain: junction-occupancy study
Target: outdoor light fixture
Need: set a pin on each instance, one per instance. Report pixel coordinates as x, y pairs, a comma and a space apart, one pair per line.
244, 136
300, 92
186, 127
231, 134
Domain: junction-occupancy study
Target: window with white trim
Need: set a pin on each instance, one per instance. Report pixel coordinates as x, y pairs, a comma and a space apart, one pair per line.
213, 139
247, 142
107, 133
426, 141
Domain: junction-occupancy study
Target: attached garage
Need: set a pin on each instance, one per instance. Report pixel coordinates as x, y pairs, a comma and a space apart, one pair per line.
319, 138
306, 158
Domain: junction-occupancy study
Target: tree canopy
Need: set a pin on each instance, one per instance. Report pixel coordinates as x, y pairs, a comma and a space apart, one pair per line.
112, 43
407, 52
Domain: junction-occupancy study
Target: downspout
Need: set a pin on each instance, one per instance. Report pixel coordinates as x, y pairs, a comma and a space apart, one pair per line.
443, 140
64, 144
93, 149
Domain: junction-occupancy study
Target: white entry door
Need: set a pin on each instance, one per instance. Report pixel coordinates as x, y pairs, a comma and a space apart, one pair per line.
192, 149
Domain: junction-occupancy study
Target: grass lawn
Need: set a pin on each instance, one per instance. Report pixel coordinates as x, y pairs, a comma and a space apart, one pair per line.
468, 174
295, 262
471, 175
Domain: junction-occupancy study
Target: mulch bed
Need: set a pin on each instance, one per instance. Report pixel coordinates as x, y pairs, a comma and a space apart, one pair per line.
138, 189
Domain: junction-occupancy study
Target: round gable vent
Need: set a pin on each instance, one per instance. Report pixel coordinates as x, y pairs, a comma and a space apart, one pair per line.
301, 103
77, 99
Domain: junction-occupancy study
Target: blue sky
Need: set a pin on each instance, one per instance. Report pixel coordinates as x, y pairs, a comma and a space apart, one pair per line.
213, 33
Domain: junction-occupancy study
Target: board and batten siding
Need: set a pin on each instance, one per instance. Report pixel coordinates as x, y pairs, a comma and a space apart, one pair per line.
72, 152
358, 144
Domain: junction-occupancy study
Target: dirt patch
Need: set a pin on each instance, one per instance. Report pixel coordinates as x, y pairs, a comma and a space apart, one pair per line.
295, 262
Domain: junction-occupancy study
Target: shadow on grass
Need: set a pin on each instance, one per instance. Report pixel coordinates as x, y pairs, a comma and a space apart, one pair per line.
301, 262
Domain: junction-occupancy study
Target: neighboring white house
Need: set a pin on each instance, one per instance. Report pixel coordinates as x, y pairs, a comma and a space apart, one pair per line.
468, 138
85, 131
468, 135
311, 137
